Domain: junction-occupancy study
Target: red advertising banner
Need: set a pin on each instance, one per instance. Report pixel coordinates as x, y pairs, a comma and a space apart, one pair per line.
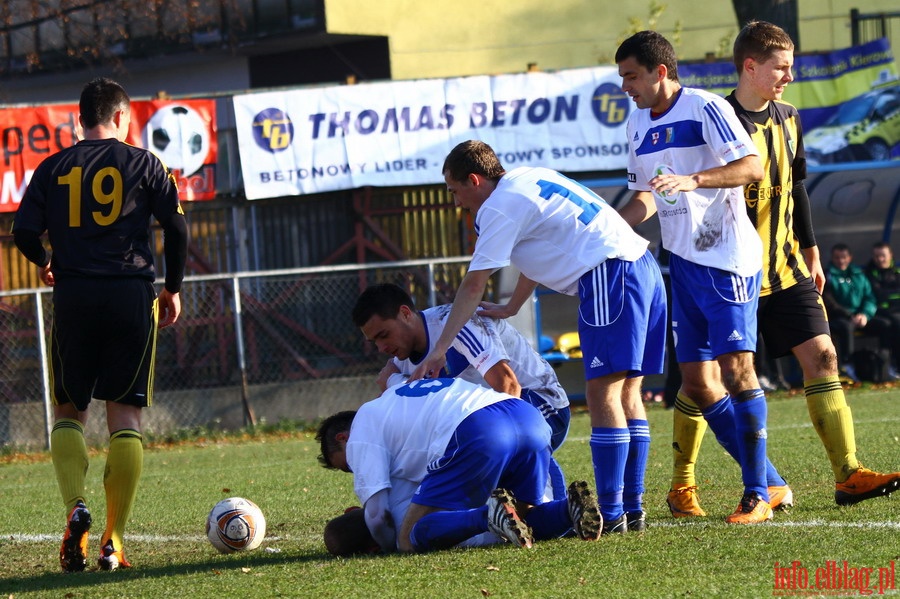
182, 133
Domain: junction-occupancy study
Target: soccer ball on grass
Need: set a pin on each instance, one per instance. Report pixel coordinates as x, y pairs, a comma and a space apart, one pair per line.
235, 524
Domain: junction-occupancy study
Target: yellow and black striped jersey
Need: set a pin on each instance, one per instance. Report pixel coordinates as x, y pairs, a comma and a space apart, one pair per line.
778, 136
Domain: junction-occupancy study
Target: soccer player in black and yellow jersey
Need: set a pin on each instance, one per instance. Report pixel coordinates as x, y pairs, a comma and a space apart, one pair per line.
95, 201
792, 316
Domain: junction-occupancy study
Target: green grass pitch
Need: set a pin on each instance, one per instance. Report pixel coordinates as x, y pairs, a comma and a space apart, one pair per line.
172, 558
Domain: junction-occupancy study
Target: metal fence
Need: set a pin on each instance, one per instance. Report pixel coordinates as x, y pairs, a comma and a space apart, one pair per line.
249, 346
865, 27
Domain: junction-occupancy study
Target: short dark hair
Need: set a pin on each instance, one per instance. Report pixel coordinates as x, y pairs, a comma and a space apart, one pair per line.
759, 40
328, 429
382, 300
348, 535
650, 49
472, 157
841, 247
881, 245
100, 99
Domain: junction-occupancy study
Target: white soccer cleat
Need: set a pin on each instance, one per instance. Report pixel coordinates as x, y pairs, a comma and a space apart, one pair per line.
505, 522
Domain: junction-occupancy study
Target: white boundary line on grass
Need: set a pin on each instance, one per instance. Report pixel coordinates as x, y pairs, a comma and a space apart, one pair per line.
771, 427
809, 424
671, 522
43, 538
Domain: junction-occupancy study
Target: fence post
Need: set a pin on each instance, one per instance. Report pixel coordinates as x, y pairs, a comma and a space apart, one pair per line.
45, 368
432, 292
249, 416
854, 26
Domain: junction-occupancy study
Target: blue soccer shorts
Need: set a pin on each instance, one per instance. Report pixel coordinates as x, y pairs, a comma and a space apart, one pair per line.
713, 311
622, 318
558, 419
505, 444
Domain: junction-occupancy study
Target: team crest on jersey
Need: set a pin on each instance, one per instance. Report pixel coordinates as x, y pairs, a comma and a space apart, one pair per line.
654, 137
670, 135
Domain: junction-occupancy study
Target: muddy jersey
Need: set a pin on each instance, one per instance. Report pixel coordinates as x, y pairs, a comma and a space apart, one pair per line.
709, 227
482, 343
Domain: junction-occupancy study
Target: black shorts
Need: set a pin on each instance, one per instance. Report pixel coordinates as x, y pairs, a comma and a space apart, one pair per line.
103, 341
790, 317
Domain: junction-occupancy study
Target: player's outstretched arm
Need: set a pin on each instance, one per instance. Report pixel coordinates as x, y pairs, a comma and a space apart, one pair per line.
639, 208
522, 293
742, 171
467, 298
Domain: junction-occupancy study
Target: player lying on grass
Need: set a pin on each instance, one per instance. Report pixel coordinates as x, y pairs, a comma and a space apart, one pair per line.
439, 461
486, 352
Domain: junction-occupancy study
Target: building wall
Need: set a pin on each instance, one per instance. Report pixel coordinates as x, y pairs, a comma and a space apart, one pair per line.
434, 40
825, 24
178, 76
438, 39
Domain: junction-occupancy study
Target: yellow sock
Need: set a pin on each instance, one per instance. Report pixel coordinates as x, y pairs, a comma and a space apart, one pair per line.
120, 480
832, 419
70, 459
688, 427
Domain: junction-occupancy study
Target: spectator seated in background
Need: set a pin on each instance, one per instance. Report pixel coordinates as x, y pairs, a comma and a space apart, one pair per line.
851, 305
884, 276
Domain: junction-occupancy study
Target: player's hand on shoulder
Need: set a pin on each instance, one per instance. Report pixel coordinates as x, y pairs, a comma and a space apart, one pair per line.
492, 310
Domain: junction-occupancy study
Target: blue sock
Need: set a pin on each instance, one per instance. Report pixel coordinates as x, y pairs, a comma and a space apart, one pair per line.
441, 530
557, 480
609, 451
720, 417
750, 411
773, 479
549, 520
717, 415
636, 465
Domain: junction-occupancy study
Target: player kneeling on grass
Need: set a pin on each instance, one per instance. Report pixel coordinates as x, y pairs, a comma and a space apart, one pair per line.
486, 352
448, 460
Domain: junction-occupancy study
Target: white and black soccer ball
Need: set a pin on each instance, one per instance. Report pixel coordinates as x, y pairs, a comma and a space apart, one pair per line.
235, 524
179, 136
